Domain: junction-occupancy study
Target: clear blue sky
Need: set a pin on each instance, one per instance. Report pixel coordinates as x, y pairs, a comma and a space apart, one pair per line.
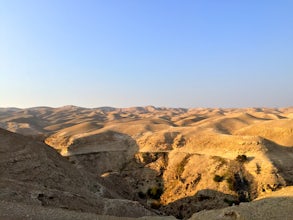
200, 53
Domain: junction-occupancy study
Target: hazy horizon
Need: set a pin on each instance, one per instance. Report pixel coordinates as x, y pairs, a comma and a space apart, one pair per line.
144, 106
137, 53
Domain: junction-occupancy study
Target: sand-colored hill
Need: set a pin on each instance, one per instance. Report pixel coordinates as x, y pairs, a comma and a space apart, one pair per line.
176, 161
34, 174
279, 131
272, 206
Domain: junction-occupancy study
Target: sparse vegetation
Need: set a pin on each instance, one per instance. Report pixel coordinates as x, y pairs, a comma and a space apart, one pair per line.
149, 157
241, 158
179, 182
231, 182
180, 169
258, 169
181, 166
155, 192
240, 185
218, 178
179, 141
243, 197
220, 159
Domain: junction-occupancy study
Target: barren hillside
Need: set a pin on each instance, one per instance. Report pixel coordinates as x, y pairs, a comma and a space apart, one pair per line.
172, 160
34, 174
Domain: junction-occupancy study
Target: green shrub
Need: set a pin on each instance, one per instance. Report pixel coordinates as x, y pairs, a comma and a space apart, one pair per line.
220, 159
218, 178
180, 169
231, 183
241, 158
155, 192
243, 197
181, 166
149, 157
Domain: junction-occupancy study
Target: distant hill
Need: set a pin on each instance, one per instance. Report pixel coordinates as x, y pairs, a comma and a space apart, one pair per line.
173, 161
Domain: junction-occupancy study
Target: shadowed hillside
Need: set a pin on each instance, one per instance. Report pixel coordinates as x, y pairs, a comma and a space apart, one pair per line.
35, 174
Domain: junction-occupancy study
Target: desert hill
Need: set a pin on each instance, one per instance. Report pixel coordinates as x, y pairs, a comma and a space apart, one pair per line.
34, 174
274, 205
173, 160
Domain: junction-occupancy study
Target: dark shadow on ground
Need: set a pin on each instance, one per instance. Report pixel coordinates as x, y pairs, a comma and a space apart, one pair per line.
282, 158
202, 200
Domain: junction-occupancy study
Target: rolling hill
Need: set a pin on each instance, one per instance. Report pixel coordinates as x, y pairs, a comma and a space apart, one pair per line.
173, 161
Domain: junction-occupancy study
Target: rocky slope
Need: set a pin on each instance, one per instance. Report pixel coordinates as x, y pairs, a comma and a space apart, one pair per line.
273, 206
35, 174
175, 161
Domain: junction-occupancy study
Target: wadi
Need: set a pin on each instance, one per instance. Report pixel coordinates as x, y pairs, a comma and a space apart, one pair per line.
146, 162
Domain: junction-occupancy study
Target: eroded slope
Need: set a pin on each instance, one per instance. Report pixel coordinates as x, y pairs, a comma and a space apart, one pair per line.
179, 161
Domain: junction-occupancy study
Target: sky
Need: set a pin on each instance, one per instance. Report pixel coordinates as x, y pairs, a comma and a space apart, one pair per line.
122, 53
